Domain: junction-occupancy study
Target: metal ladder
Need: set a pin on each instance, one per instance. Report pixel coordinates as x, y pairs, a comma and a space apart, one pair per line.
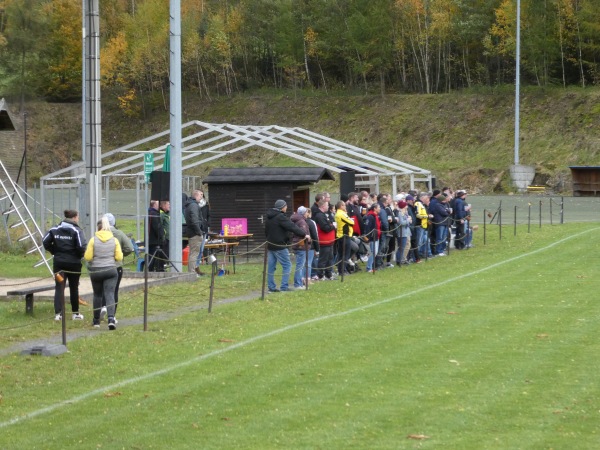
9, 190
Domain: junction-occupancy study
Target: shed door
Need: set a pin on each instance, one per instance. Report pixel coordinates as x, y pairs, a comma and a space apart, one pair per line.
301, 198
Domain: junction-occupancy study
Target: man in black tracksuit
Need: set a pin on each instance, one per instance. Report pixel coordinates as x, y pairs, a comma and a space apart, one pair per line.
67, 243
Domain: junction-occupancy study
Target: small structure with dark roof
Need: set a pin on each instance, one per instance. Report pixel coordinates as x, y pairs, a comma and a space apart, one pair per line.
586, 181
250, 191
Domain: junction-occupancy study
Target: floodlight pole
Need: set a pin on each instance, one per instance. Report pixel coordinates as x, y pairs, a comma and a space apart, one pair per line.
175, 229
92, 133
517, 81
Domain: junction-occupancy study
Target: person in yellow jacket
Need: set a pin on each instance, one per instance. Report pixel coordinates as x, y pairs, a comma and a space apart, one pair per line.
422, 231
347, 248
102, 254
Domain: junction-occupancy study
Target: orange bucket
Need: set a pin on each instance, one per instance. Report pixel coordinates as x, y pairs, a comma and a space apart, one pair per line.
185, 255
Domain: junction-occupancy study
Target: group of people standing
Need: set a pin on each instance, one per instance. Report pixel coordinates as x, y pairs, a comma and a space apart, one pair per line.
104, 256
195, 219
378, 229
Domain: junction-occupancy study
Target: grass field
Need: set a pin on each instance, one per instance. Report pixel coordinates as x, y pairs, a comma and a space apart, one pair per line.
494, 347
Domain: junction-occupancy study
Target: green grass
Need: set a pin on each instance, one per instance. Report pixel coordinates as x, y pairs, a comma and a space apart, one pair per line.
491, 348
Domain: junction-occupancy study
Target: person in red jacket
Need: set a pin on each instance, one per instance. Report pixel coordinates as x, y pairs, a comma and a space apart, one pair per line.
326, 231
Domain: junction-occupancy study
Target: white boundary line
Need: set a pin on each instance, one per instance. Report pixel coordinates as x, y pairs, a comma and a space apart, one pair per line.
252, 340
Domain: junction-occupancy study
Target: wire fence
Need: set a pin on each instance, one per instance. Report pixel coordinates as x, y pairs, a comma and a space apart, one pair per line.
504, 214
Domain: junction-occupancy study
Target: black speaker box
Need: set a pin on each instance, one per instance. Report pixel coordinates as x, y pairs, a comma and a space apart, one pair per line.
161, 185
347, 180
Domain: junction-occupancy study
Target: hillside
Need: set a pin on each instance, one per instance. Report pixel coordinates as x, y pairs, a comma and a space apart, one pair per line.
465, 139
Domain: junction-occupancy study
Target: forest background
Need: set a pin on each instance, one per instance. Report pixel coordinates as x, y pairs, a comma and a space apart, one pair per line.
428, 82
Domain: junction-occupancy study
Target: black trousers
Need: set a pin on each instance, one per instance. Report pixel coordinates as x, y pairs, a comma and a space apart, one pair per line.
70, 273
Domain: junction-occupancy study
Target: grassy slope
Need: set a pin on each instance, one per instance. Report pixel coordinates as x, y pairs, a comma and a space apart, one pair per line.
464, 138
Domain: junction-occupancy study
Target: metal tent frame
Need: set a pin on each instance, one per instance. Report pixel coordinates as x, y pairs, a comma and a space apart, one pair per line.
204, 142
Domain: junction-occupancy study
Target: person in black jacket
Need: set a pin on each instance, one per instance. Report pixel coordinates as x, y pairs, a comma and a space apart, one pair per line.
196, 229
277, 230
156, 239
67, 244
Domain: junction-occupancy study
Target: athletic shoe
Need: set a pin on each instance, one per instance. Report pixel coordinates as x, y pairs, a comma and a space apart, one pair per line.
272, 291
77, 316
316, 278
96, 323
389, 265
441, 254
112, 325
350, 262
370, 271
58, 317
103, 313
364, 258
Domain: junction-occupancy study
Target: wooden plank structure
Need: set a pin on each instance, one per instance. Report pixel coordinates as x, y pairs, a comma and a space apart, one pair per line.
250, 191
586, 181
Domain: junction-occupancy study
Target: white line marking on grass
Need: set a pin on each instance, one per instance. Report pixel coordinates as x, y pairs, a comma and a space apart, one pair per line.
189, 362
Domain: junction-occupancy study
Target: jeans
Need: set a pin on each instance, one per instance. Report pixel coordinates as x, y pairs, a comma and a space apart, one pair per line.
422, 237
441, 233
299, 272
201, 253
403, 249
311, 257
374, 247
283, 257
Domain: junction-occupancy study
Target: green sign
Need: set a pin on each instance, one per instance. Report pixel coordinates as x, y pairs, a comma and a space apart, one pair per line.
148, 165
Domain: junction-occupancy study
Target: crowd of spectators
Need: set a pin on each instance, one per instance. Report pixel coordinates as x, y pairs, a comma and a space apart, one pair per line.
380, 230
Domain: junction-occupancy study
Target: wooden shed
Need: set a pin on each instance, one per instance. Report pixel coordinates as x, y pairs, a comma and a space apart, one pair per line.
586, 181
249, 192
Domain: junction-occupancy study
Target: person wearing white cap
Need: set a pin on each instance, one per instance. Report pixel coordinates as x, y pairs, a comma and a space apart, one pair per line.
277, 230
127, 249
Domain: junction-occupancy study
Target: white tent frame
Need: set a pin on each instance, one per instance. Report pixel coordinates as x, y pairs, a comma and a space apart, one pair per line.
214, 141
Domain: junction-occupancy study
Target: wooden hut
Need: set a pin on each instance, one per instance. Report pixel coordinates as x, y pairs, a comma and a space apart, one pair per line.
586, 181
250, 191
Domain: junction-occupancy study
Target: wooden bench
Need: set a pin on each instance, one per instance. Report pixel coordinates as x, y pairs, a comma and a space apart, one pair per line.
540, 189
28, 293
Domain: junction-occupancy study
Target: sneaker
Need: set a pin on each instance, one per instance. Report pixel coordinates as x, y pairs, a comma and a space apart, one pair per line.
370, 271
77, 316
58, 317
364, 258
441, 254
112, 325
103, 313
389, 264
96, 323
315, 278
272, 291
199, 272
350, 262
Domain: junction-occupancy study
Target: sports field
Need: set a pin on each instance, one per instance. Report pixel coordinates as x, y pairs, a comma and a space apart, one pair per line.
495, 347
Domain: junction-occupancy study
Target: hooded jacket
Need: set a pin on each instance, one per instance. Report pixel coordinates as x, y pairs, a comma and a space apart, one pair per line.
66, 242
195, 224
103, 251
298, 241
278, 229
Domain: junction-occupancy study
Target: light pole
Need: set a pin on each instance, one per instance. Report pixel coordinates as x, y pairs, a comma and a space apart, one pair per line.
517, 81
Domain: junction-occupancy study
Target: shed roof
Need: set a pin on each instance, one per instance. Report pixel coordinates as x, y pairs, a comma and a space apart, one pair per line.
301, 175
